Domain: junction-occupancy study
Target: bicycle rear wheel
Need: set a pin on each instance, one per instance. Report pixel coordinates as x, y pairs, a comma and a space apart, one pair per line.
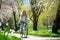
26, 32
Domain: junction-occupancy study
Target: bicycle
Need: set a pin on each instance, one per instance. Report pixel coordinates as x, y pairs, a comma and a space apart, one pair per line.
24, 31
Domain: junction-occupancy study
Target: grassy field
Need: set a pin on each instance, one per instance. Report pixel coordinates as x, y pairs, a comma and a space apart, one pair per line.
5, 37
42, 32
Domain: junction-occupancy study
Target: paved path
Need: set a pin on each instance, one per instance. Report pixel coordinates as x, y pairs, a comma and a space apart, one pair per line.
35, 38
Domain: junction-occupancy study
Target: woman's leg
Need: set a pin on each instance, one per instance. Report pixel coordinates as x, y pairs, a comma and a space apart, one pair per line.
22, 29
26, 29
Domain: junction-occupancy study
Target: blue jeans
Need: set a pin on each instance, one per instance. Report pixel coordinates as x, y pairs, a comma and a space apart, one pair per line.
23, 24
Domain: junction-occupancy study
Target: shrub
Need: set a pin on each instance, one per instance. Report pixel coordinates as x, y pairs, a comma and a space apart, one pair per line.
4, 37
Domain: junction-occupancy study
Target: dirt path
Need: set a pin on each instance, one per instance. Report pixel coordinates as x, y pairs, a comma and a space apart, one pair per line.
35, 38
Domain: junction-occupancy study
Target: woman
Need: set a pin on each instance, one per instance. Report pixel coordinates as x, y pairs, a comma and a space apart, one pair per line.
23, 20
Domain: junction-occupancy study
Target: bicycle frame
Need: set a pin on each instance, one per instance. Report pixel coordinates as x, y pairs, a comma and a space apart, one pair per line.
24, 31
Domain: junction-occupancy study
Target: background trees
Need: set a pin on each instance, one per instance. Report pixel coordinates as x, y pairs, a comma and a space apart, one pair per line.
0, 3
56, 24
40, 12
37, 7
8, 7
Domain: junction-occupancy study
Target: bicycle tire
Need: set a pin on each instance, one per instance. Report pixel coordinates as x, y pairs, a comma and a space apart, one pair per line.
24, 31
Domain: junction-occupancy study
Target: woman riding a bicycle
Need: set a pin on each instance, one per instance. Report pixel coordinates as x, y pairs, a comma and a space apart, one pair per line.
23, 21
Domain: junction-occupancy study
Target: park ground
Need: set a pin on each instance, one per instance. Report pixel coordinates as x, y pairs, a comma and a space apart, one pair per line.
42, 34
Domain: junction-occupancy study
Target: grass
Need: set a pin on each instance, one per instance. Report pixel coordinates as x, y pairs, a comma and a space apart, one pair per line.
42, 32
4, 37
14, 38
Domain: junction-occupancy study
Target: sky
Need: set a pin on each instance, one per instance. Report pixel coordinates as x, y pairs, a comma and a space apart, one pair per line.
26, 3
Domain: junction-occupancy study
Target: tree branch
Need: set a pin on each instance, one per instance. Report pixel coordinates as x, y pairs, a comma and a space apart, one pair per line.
39, 11
5, 17
31, 18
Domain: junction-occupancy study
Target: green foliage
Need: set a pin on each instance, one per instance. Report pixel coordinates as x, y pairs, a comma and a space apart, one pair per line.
17, 20
4, 37
14, 38
6, 30
12, 22
43, 32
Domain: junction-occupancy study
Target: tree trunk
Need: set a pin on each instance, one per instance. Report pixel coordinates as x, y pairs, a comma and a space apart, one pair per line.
0, 6
35, 21
0, 3
35, 25
56, 22
15, 21
55, 27
2, 26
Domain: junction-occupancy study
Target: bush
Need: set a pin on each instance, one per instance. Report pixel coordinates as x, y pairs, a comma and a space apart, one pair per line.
14, 38
4, 37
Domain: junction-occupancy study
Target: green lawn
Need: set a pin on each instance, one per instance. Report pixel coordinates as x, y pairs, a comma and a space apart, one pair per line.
4, 37
43, 32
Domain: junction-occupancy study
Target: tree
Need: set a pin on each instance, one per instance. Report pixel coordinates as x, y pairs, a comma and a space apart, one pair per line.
0, 3
56, 25
14, 14
8, 8
37, 7
20, 3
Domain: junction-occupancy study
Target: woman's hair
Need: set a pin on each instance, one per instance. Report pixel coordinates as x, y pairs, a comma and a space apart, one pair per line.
23, 12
